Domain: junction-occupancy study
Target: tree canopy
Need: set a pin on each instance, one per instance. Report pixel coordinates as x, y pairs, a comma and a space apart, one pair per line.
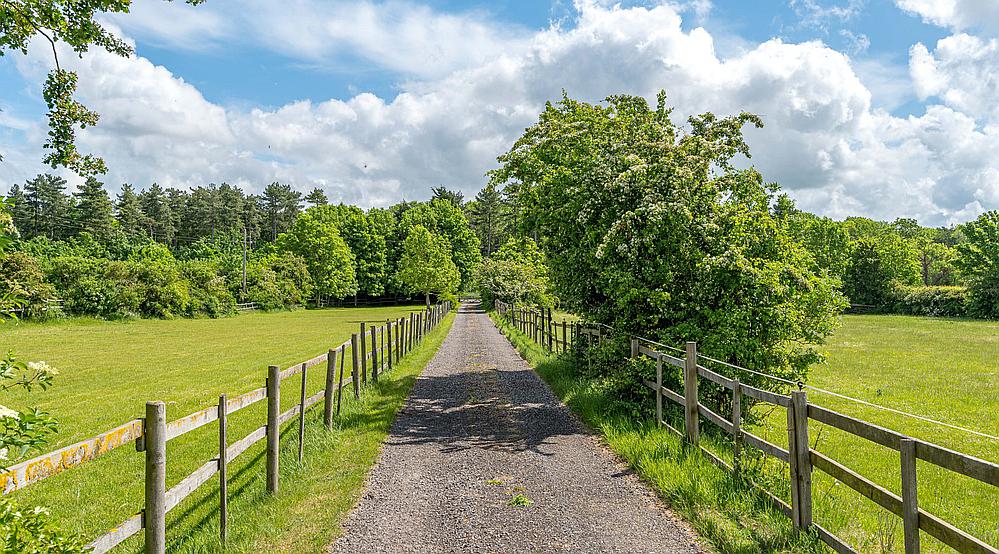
426, 266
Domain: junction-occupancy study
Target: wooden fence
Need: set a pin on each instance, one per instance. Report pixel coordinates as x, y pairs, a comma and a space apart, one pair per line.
800, 458
377, 347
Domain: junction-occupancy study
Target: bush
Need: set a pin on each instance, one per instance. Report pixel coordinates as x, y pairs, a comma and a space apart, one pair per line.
162, 291
99, 288
210, 294
984, 296
21, 277
930, 301
279, 282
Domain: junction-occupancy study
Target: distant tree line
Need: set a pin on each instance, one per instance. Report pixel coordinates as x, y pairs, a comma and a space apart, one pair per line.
166, 252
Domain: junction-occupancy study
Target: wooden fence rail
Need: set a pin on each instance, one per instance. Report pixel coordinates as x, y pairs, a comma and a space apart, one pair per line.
388, 344
800, 458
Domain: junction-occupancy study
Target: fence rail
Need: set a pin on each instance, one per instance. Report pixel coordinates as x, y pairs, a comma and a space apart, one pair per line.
388, 343
800, 458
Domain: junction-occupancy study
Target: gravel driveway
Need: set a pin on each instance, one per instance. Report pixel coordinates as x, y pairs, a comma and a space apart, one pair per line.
479, 428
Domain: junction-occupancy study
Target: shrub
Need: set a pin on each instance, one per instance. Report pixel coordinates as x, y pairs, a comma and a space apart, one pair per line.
162, 290
99, 288
279, 282
21, 277
210, 294
930, 301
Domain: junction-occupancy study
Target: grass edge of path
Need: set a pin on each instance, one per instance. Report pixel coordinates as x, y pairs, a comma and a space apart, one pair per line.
316, 494
729, 516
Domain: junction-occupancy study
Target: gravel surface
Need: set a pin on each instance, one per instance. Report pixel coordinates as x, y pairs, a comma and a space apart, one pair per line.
479, 428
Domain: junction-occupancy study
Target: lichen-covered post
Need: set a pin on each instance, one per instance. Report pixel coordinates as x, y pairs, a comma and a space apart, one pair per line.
364, 355
301, 416
736, 426
691, 423
273, 429
800, 401
155, 444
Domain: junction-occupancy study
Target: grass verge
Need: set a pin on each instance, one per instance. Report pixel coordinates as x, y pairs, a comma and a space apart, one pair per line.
726, 512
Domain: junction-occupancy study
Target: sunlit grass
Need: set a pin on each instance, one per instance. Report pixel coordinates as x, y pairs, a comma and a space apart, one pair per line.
109, 370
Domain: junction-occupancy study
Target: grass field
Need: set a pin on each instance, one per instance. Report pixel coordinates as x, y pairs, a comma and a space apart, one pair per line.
108, 371
939, 368
943, 369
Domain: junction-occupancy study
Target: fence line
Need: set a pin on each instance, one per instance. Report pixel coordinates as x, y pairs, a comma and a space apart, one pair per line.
800, 458
151, 433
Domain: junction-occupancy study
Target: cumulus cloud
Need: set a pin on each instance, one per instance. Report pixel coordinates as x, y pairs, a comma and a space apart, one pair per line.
955, 14
825, 140
962, 71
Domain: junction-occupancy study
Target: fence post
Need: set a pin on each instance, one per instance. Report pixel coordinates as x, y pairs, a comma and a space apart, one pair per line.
273, 429
910, 494
792, 450
551, 331
388, 343
736, 425
301, 417
690, 395
364, 354
339, 384
800, 401
634, 348
155, 444
355, 370
659, 390
565, 343
223, 470
374, 353
328, 392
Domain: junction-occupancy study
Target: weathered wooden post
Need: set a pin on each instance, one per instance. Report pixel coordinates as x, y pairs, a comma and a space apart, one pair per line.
154, 432
799, 400
388, 344
273, 428
339, 385
301, 417
691, 422
659, 389
374, 353
364, 355
565, 342
223, 470
736, 426
551, 331
328, 392
910, 496
382, 350
634, 349
355, 370
792, 458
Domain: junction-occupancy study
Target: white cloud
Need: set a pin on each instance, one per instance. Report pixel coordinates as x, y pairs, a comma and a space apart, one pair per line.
955, 14
825, 140
962, 71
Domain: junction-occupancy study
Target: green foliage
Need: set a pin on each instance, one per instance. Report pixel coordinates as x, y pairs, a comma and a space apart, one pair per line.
32, 531
515, 274
65, 114
21, 277
446, 220
929, 301
487, 216
93, 210
366, 243
328, 258
279, 282
209, 291
317, 198
979, 260
426, 264
654, 231
826, 240
877, 265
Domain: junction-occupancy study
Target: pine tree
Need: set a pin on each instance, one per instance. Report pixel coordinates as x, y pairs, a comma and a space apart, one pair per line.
317, 198
281, 205
452, 196
128, 211
156, 206
487, 217
50, 207
20, 210
94, 212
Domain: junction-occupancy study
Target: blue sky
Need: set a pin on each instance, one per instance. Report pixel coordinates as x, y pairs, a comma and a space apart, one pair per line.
873, 107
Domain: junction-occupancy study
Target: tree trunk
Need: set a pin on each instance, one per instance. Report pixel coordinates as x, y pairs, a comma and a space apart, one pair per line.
428, 298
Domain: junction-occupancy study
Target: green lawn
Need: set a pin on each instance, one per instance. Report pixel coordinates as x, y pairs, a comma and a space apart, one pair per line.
109, 370
943, 369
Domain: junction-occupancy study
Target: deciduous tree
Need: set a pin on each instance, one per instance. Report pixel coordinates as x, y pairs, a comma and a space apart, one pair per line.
426, 266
